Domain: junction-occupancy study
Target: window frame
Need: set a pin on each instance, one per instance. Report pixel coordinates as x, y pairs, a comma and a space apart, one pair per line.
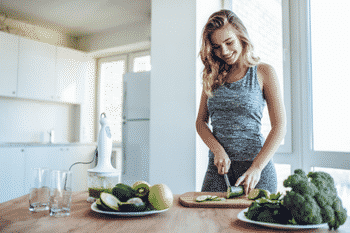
132, 56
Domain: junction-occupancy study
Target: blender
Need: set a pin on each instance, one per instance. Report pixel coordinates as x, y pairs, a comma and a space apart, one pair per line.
104, 176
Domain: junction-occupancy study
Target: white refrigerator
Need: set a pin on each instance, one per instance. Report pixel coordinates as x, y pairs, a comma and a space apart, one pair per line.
135, 127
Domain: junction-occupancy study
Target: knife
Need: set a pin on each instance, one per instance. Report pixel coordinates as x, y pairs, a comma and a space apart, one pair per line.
233, 191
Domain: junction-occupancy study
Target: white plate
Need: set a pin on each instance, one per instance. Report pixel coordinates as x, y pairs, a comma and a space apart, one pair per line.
94, 208
243, 218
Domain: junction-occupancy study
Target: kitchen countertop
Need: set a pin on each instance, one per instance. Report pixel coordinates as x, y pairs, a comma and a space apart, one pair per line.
15, 217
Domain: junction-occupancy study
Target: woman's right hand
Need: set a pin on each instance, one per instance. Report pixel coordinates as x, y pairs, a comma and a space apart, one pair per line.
222, 162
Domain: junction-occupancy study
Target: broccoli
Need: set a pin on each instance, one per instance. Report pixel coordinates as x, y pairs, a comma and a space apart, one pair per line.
313, 199
303, 208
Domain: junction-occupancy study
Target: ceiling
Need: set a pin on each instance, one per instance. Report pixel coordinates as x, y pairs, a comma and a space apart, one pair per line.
78, 17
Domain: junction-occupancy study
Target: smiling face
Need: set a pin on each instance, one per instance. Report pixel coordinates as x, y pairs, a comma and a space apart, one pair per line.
226, 44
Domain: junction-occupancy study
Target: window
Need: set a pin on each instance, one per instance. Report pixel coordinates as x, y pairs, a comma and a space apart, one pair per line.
110, 97
267, 25
330, 79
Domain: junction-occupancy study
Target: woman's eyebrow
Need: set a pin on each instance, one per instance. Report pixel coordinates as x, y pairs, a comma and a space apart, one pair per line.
224, 40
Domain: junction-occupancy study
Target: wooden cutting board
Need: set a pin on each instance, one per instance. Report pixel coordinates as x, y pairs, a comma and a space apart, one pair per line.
189, 200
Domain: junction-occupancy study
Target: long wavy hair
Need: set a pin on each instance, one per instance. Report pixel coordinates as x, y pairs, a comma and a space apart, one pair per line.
215, 70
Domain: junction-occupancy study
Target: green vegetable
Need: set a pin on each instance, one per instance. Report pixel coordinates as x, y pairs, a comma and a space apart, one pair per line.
133, 205
123, 192
313, 199
266, 210
234, 191
258, 193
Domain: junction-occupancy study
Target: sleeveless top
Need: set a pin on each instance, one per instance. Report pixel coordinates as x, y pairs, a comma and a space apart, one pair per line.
235, 112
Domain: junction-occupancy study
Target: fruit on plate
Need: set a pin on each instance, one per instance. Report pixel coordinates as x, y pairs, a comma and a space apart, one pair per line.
141, 189
109, 202
234, 191
123, 192
258, 193
134, 204
160, 197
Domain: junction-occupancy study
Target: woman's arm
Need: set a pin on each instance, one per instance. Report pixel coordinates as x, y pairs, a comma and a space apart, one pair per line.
273, 96
221, 159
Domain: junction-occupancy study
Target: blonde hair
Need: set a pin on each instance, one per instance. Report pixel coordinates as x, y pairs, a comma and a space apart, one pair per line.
215, 70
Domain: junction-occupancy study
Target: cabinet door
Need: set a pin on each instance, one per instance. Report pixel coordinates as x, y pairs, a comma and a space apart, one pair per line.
8, 64
12, 173
36, 70
68, 75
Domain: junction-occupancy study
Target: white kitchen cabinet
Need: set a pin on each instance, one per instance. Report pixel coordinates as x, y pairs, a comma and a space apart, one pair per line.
36, 70
69, 75
12, 173
8, 64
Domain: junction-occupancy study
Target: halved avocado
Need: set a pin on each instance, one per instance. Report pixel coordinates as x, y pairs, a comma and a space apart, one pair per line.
133, 205
109, 202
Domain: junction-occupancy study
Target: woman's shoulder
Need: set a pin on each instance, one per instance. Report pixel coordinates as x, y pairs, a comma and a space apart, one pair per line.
265, 71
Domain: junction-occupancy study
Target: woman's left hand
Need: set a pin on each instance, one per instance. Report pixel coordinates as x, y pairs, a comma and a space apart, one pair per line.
249, 179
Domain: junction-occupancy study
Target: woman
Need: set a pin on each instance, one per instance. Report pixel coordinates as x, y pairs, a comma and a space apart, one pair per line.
236, 87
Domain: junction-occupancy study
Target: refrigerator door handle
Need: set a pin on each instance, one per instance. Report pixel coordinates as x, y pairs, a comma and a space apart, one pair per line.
124, 136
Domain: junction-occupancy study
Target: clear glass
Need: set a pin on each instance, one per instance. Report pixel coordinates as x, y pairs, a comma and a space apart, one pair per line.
98, 183
142, 64
112, 95
61, 193
283, 171
263, 20
39, 194
342, 183
330, 80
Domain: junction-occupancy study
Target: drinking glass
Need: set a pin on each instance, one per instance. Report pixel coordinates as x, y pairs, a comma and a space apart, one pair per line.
61, 193
39, 193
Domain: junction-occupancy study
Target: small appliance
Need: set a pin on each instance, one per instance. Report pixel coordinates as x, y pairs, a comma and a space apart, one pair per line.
104, 176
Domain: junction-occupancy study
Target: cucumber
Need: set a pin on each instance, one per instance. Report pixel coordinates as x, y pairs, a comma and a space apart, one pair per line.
109, 201
209, 198
235, 191
203, 198
258, 193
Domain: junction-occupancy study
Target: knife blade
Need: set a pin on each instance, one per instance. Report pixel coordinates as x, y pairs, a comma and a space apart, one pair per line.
227, 181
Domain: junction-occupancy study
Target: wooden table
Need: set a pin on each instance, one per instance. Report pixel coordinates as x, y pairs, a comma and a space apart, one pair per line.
15, 217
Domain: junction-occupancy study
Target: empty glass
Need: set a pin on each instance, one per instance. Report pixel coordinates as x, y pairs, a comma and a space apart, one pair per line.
61, 193
39, 189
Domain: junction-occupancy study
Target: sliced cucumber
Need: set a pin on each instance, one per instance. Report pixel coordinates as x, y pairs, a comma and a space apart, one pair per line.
209, 198
203, 198
258, 193
110, 201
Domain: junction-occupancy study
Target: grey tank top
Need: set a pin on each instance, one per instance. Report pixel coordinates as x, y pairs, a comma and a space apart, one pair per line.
235, 112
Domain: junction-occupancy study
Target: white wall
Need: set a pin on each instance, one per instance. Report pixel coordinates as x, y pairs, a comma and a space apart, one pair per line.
123, 35
174, 80
28, 121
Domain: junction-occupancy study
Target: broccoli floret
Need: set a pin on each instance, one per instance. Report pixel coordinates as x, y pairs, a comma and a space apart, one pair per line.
300, 183
303, 208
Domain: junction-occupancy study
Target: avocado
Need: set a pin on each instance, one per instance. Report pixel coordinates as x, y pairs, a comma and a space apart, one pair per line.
133, 205
123, 192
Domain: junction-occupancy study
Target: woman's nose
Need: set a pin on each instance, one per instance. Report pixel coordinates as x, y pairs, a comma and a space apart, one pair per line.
224, 50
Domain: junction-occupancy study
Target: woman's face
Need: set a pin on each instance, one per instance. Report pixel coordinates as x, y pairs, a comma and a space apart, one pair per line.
226, 44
